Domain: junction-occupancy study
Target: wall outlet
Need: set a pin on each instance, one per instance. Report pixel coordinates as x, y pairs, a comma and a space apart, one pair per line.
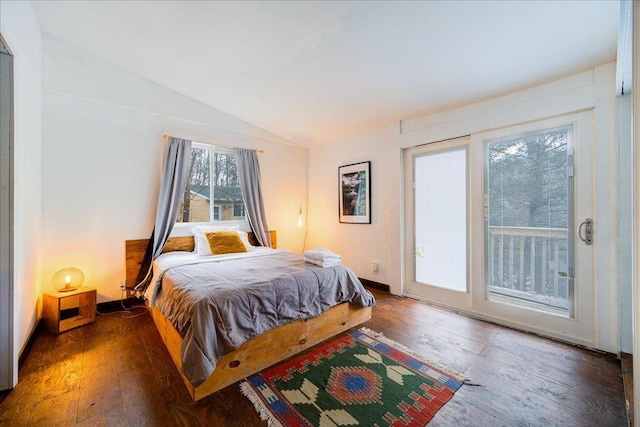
374, 267
123, 285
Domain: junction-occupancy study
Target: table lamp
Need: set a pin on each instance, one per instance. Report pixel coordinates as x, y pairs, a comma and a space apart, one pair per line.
67, 279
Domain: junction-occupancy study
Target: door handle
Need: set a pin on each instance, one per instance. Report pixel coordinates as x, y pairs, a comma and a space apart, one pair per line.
587, 228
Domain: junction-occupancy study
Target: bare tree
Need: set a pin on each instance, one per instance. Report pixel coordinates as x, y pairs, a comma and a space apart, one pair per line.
207, 168
199, 173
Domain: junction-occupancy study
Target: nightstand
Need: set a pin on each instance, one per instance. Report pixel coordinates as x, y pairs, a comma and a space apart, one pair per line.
86, 309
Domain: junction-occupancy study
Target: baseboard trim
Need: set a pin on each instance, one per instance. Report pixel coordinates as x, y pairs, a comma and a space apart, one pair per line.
29, 344
117, 305
375, 285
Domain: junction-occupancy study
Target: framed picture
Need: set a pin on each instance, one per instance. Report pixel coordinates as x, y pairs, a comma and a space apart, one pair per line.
354, 191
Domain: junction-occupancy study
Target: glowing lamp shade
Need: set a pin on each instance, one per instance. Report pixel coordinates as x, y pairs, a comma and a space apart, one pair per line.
67, 279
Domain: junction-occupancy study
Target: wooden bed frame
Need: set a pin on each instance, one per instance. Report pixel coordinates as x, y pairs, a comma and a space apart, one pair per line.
254, 355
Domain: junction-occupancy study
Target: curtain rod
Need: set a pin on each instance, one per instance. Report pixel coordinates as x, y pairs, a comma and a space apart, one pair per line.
166, 137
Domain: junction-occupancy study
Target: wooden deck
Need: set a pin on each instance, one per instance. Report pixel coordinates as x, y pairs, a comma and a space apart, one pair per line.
117, 371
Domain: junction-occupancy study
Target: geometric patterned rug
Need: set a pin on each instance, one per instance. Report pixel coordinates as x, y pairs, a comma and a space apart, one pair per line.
361, 379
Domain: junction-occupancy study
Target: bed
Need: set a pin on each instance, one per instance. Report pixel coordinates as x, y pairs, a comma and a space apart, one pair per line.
239, 351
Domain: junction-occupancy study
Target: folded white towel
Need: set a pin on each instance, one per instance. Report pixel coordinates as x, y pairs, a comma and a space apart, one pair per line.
322, 263
322, 254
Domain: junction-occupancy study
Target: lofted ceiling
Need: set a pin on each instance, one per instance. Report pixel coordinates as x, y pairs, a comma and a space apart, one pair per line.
315, 72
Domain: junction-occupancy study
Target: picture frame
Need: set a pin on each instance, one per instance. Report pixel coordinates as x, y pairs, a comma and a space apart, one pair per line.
354, 193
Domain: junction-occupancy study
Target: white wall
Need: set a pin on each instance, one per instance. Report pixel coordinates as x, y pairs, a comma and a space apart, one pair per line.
360, 244
19, 28
382, 241
102, 155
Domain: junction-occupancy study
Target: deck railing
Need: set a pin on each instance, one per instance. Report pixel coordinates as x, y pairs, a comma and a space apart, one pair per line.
529, 261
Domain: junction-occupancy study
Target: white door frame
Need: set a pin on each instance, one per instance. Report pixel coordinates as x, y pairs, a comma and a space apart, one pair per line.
445, 297
7, 362
636, 211
581, 329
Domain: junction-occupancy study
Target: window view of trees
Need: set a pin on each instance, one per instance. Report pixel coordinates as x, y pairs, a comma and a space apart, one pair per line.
213, 190
528, 180
527, 208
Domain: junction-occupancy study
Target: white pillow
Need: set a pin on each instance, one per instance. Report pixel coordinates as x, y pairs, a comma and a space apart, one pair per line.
202, 244
200, 240
244, 236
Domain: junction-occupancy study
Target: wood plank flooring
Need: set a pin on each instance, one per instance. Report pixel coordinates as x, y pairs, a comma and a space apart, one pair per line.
117, 372
626, 361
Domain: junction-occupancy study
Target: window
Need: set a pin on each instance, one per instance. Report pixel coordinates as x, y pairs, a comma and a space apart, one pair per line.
217, 209
529, 188
213, 190
440, 182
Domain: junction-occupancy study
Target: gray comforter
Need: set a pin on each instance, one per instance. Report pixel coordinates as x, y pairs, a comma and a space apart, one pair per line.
244, 298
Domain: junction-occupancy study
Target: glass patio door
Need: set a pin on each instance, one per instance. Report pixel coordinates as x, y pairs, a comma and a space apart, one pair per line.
497, 224
529, 220
437, 176
532, 205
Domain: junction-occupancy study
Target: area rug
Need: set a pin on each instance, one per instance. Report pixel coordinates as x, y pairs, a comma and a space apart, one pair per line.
361, 379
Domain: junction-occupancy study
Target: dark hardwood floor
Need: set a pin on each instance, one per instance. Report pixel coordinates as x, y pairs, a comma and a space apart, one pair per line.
117, 372
626, 361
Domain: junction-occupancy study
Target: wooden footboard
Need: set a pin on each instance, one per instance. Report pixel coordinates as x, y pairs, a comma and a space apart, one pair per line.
264, 350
